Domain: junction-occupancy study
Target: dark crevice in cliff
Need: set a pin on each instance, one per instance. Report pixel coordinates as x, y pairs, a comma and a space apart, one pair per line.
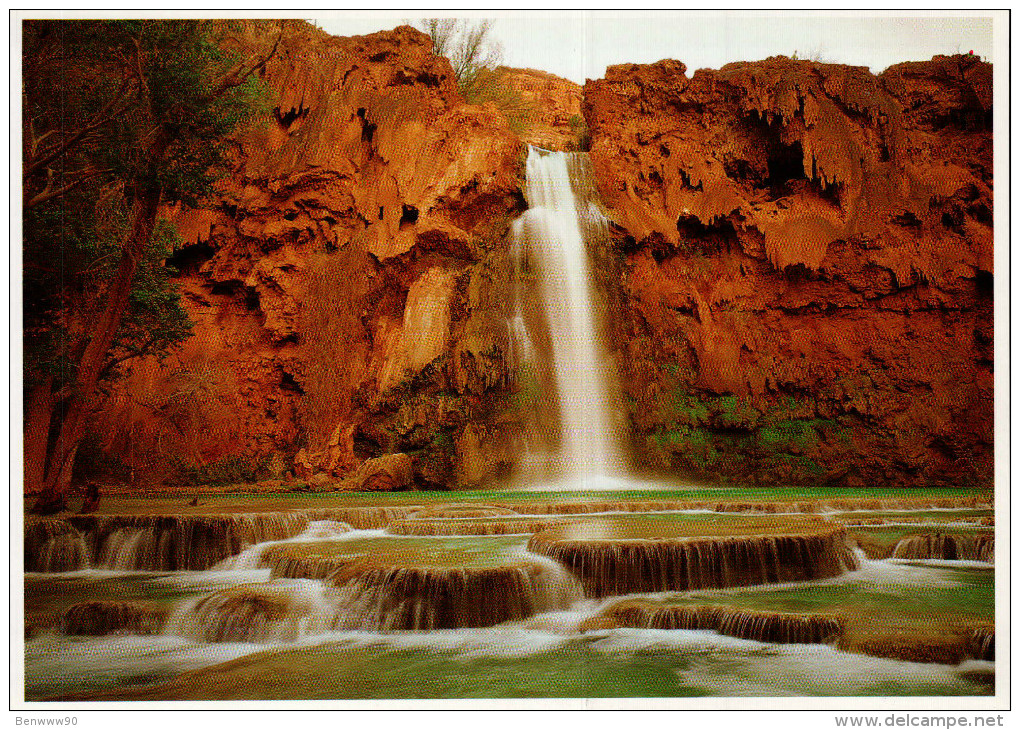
288, 383
286, 119
189, 259
408, 216
229, 287
785, 163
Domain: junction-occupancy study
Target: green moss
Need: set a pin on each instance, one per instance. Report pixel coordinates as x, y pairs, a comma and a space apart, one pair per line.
795, 434
528, 390
732, 412
228, 470
682, 409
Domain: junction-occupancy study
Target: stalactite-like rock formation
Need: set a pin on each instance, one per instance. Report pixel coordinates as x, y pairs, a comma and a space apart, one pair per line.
941, 546
770, 626
644, 555
356, 244
807, 290
98, 618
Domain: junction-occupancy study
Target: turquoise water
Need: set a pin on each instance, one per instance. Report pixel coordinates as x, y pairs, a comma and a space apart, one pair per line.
544, 656
489, 663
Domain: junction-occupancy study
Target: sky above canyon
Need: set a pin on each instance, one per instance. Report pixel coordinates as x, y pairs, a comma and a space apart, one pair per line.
581, 44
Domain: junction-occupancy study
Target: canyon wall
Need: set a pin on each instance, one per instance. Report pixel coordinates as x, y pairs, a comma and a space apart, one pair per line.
799, 282
346, 282
805, 268
554, 106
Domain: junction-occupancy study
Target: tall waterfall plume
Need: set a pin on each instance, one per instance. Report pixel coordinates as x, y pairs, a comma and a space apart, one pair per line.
550, 247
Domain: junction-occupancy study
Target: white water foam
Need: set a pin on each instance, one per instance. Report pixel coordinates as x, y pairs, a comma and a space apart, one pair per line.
551, 232
318, 531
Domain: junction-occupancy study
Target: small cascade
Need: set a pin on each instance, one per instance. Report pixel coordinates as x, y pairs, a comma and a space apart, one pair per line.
979, 547
982, 643
53, 545
550, 245
466, 511
362, 518
151, 542
254, 557
286, 564
769, 626
407, 597
99, 618
608, 564
278, 611
441, 527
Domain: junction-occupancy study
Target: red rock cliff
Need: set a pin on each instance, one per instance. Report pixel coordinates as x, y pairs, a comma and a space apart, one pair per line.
555, 120
349, 255
808, 274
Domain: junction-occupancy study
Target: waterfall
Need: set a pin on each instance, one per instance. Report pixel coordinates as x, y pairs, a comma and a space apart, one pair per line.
549, 240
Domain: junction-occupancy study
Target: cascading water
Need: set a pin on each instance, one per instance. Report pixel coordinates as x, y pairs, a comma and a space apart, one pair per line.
550, 241
480, 602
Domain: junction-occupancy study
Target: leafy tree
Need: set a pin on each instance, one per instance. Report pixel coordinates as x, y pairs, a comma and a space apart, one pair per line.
119, 118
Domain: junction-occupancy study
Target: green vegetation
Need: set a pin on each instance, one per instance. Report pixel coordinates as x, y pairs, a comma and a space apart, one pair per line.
120, 119
475, 58
582, 137
527, 392
228, 470
729, 436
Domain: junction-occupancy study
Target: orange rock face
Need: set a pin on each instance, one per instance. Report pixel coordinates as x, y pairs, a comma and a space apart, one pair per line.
808, 271
556, 108
365, 205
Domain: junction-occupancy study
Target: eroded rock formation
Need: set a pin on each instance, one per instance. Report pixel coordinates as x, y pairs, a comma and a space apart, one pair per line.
410, 594
555, 105
351, 259
98, 618
616, 557
801, 277
150, 542
808, 277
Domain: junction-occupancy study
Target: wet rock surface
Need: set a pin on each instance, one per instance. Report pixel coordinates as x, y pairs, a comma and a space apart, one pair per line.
150, 542
941, 546
98, 618
645, 554
407, 591
775, 627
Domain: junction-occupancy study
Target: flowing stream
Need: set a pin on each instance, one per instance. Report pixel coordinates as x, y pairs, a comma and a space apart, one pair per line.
467, 616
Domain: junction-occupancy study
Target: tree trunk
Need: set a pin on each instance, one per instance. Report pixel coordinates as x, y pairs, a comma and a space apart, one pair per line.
81, 400
38, 416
